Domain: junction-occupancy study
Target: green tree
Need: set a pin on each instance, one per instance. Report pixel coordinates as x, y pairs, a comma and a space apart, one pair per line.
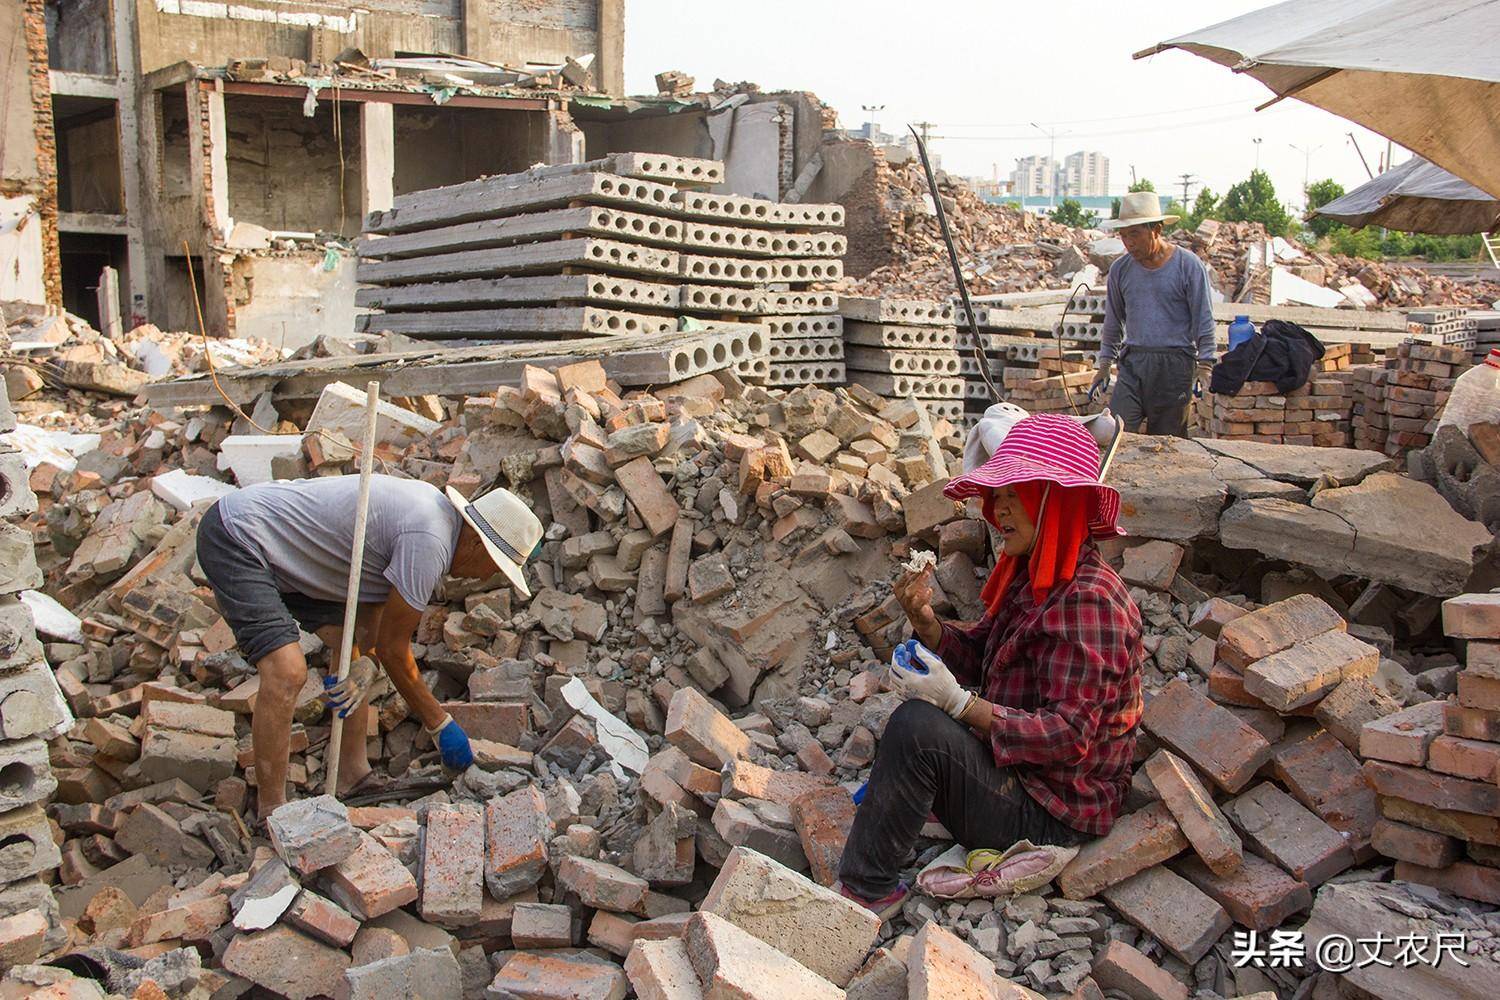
1072, 213
1144, 184
1254, 200
1355, 242
1321, 193
1205, 206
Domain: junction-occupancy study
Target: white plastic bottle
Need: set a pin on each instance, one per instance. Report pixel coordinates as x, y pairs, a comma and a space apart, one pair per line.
1476, 395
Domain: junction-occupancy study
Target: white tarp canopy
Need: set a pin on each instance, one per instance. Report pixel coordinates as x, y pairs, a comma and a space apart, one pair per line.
1425, 73
1416, 197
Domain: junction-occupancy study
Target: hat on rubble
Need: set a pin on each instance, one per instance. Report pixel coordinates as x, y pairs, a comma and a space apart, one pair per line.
1052, 448
511, 533
1138, 208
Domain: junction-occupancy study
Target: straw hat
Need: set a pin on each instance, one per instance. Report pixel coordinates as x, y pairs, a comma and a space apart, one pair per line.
509, 530
1138, 208
1046, 447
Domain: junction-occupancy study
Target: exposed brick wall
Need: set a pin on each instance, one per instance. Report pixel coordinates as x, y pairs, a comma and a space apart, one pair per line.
44, 188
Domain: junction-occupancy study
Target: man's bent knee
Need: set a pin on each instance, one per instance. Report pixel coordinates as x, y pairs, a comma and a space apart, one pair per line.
283, 672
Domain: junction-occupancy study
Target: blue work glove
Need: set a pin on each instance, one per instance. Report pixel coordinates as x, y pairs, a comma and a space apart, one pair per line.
343, 696
453, 745
918, 672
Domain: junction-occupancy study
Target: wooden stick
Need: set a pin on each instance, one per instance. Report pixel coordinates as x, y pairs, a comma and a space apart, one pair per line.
356, 566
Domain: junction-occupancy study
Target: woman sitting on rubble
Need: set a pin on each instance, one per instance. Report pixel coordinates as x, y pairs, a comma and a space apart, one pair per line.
1042, 751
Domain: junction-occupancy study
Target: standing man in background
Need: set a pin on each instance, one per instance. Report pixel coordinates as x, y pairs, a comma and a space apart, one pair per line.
1159, 305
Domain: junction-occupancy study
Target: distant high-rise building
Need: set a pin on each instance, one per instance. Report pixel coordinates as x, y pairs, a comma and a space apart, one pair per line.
1033, 176
1084, 174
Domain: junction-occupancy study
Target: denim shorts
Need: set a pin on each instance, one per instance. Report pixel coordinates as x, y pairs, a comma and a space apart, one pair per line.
263, 617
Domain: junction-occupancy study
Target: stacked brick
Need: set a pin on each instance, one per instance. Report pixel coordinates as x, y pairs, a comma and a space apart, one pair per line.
1320, 413
1039, 361
902, 347
1400, 402
625, 246
32, 711
1435, 768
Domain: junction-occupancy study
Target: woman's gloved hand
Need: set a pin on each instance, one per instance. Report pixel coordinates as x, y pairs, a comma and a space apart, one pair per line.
917, 672
343, 696
453, 744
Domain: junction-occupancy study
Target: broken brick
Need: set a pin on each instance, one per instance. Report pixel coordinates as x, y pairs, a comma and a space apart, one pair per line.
1275, 627
1209, 736
1193, 807
1137, 841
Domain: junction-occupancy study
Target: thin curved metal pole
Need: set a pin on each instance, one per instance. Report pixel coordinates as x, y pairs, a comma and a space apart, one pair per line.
958, 274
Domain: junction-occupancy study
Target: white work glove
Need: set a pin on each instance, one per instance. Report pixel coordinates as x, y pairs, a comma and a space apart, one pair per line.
1101, 379
343, 696
937, 686
1203, 372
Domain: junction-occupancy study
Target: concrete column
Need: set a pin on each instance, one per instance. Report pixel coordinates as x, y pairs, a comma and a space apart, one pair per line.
133, 109
609, 69
476, 29
108, 298
377, 143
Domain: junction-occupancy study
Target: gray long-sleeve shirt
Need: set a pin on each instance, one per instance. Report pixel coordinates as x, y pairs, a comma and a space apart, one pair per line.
1169, 307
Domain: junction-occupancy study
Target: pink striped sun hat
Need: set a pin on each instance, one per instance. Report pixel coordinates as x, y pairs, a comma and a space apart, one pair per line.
1048, 447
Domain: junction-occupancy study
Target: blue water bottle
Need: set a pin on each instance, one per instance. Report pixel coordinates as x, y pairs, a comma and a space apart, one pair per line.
1240, 331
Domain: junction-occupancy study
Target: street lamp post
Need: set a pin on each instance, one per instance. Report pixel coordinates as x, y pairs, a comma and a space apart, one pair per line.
1306, 166
1257, 152
1051, 163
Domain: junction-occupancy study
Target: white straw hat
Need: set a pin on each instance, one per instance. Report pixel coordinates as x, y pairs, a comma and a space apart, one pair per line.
509, 530
1138, 208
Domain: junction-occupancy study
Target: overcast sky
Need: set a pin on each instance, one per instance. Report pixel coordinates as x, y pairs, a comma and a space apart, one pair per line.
982, 70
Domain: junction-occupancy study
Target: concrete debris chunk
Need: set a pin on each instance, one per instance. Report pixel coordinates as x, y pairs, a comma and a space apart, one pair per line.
822, 929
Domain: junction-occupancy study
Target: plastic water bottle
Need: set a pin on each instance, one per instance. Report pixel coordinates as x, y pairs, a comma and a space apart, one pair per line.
1476, 395
1240, 331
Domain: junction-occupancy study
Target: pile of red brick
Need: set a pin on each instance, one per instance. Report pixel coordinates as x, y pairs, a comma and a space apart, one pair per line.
1245, 805
1435, 768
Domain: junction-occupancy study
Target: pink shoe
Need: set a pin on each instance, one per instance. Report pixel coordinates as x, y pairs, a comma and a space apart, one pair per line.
885, 907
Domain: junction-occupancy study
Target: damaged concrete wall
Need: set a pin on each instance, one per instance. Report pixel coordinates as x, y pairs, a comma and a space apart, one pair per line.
853, 175
509, 31
292, 300
79, 36
289, 171
28, 158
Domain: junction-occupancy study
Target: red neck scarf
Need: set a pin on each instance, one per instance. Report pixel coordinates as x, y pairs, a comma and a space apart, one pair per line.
1061, 530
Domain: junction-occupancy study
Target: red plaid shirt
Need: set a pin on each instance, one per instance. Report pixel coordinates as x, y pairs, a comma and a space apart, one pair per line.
1065, 680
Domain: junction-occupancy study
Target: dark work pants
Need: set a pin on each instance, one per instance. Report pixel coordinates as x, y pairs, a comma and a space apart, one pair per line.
1155, 386
930, 763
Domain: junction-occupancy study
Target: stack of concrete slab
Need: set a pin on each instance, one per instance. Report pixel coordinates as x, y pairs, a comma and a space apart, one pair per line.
902, 347
1435, 765
32, 711
624, 246
1486, 331
1451, 327
805, 339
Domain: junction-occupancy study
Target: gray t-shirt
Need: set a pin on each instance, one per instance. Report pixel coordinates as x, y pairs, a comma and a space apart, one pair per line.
303, 529
1170, 307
